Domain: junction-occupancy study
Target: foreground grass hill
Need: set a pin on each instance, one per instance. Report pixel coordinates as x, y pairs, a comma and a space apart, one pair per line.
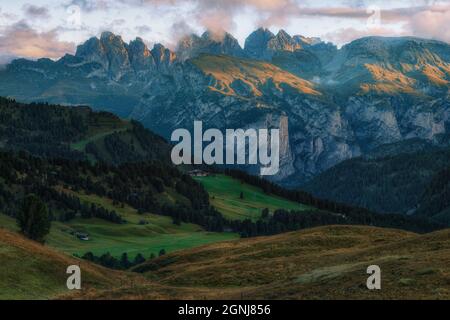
322, 263
32, 271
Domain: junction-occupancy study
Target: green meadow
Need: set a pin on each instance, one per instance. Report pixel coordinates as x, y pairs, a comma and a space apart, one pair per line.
158, 233
149, 233
225, 196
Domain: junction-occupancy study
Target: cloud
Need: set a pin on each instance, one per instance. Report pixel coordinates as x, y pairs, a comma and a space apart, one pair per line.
20, 40
143, 29
91, 5
180, 29
35, 12
218, 15
4, 60
346, 35
422, 21
432, 23
5, 17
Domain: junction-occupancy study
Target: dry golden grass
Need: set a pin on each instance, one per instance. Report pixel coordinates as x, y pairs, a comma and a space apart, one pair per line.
387, 79
33, 271
254, 74
436, 75
321, 263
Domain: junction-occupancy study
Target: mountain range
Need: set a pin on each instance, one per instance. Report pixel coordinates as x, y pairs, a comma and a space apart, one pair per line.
330, 104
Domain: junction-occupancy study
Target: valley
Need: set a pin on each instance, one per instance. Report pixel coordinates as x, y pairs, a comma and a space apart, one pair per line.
364, 170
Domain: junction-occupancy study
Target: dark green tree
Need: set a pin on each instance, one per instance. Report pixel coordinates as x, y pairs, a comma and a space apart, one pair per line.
33, 219
124, 262
139, 259
162, 252
89, 256
176, 221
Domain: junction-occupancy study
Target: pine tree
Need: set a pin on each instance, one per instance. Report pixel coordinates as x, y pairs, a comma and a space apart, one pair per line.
139, 259
33, 219
124, 262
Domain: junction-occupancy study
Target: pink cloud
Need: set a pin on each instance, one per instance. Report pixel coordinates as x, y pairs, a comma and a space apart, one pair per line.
20, 40
433, 23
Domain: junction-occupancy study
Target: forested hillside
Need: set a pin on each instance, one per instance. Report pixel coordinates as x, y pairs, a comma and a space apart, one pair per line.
390, 183
76, 133
435, 201
62, 154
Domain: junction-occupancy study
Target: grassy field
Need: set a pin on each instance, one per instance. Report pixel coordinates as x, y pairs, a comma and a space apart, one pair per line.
81, 145
225, 194
320, 263
132, 238
32, 271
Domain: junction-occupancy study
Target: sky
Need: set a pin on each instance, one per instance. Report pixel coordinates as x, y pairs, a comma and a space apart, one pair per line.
52, 28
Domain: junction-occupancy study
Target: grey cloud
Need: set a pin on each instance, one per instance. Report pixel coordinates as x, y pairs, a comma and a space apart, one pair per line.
36, 12
143, 29
91, 5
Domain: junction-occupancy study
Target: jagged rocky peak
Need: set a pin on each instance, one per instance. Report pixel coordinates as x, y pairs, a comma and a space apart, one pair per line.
257, 42
307, 41
209, 42
117, 53
263, 44
283, 42
110, 51
162, 56
92, 50
140, 56
118, 58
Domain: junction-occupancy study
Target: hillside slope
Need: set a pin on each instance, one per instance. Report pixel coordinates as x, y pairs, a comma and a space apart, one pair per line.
384, 182
321, 263
76, 133
32, 271
225, 195
435, 201
248, 78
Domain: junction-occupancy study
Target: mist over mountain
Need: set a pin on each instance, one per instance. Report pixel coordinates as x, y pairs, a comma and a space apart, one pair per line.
330, 104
